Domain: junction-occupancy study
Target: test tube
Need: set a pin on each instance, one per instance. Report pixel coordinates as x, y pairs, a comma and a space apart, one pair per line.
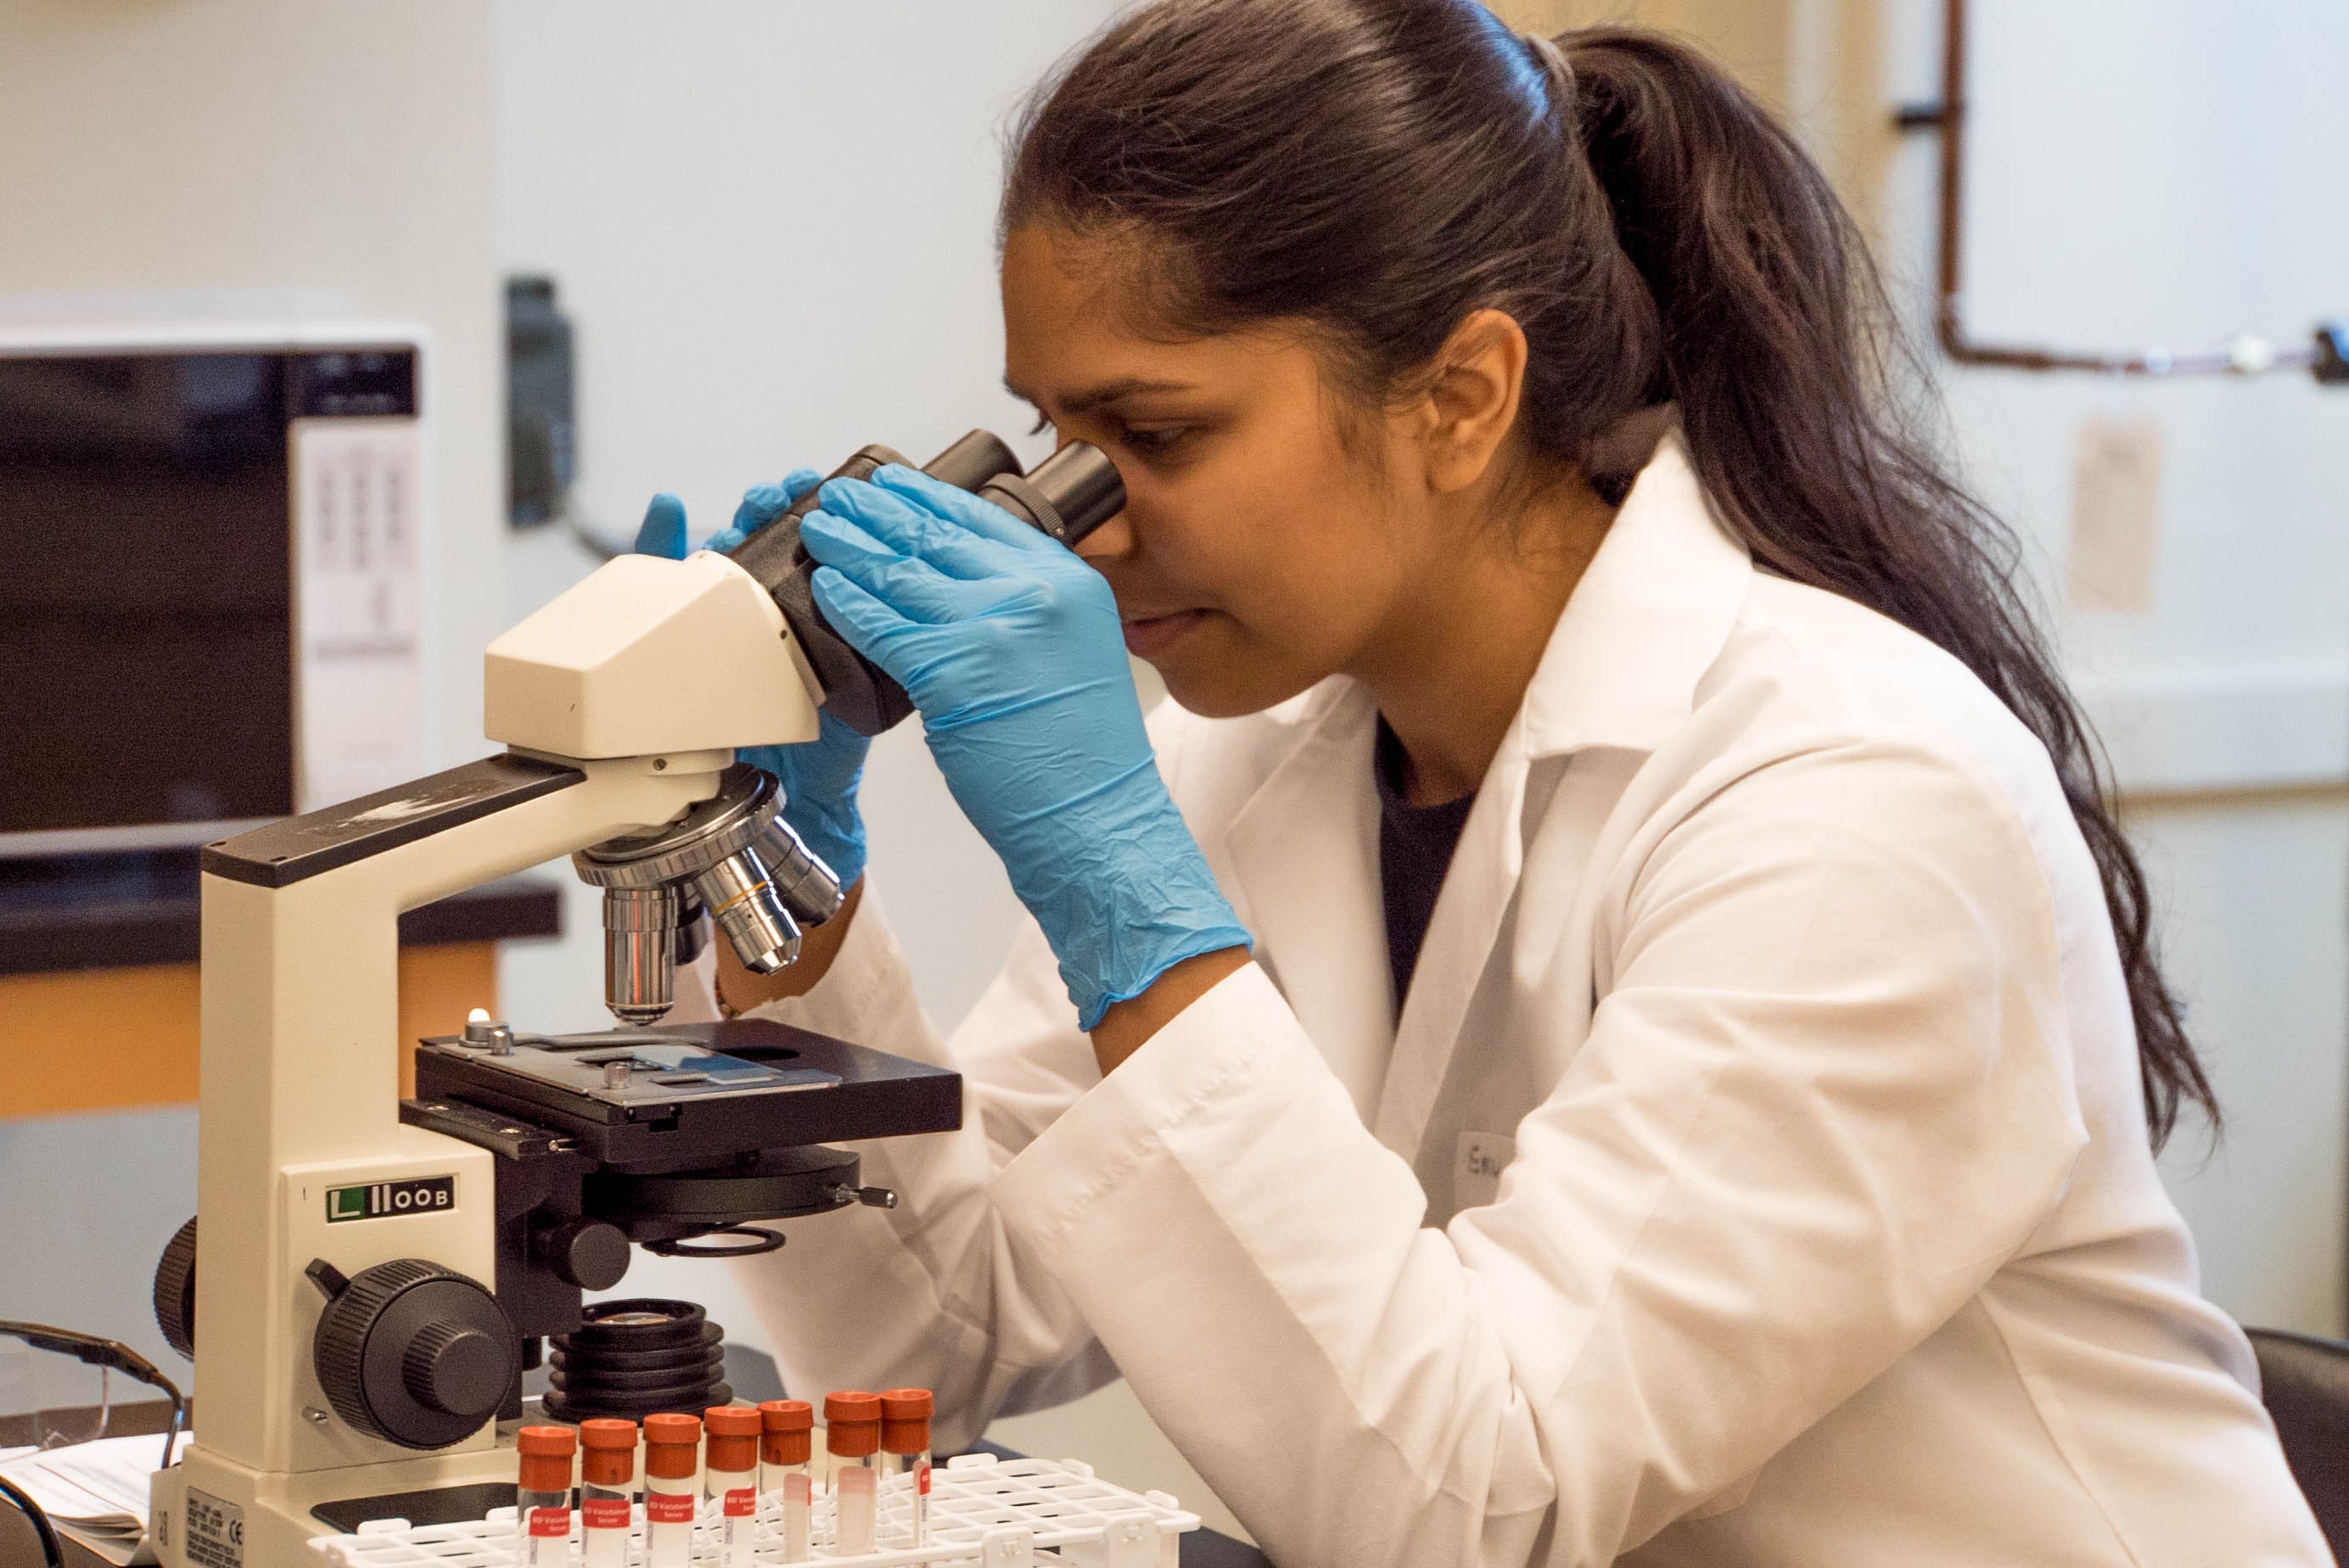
607, 1474
906, 1450
729, 1472
784, 1449
543, 1497
852, 1435
672, 1454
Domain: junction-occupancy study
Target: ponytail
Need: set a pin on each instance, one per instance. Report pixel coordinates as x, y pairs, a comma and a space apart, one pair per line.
1383, 168
1761, 282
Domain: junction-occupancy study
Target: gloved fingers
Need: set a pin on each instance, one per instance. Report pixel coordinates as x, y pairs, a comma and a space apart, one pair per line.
911, 526
911, 586
662, 532
981, 516
761, 504
871, 627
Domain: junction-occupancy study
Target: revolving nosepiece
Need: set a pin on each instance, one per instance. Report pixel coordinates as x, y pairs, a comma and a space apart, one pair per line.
732, 854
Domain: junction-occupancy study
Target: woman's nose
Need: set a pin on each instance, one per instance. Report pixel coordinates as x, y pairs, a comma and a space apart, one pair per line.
1111, 540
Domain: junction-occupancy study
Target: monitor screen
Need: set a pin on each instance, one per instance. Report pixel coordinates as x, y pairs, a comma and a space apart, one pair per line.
146, 660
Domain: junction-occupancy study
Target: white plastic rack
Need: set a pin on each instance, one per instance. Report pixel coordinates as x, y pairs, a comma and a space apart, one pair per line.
995, 1513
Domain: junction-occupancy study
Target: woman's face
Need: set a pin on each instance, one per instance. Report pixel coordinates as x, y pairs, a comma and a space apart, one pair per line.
1259, 550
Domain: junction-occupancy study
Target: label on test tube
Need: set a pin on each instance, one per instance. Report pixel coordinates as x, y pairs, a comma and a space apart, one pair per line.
668, 1508
604, 1512
547, 1537
604, 1535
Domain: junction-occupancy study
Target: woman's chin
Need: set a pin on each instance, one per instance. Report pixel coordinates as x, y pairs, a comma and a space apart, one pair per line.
1219, 689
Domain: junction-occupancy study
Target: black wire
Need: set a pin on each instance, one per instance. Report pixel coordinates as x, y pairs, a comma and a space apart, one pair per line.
50, 1551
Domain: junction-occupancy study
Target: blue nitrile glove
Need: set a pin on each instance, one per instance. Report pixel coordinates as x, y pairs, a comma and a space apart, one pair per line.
818, 777
1010, 646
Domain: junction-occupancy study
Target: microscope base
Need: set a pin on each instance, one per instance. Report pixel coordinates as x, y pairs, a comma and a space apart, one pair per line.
251, 1519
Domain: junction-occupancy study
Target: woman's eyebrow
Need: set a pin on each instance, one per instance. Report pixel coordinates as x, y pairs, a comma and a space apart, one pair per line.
1106, 393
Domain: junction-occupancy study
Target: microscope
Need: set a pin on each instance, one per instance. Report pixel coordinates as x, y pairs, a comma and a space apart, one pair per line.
376, 1273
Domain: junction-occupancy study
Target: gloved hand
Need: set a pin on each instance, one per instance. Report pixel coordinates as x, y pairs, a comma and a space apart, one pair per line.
1010, 646
818, 777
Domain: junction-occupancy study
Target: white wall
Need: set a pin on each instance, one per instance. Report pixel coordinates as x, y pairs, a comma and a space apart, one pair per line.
259, 157
2147, 175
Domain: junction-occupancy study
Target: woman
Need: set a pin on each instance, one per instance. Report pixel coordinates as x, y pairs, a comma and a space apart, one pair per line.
1747, 1155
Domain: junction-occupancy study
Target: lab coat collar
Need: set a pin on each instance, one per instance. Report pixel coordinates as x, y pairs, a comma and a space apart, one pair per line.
1648, 619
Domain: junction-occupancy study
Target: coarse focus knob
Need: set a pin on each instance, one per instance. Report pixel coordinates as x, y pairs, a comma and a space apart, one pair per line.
175, 1291
457, 1371
411, 1352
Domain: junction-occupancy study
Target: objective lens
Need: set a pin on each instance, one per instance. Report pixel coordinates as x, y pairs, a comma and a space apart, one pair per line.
639, 952
744, 902
808, 887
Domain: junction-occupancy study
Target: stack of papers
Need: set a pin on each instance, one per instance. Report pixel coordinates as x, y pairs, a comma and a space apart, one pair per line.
95, 1492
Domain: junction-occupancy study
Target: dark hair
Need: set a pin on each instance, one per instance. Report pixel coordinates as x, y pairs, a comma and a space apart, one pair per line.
1381, 168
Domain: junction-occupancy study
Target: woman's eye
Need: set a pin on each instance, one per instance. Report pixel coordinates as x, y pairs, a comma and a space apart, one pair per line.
1043, 423
1153, 441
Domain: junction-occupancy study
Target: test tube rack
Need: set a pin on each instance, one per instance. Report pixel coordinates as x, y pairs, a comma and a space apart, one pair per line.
991, 1513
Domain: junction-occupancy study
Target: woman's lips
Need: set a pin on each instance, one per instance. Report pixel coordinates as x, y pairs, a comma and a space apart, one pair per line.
1146, 636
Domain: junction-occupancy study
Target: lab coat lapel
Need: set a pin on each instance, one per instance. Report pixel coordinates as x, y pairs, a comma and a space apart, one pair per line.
1305, 853
1620, 670
1458, 946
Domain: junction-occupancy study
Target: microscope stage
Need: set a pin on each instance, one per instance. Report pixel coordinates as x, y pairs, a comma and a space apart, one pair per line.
682, 1097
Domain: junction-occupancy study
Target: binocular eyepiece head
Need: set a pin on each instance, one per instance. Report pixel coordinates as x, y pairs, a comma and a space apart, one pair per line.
1069, 494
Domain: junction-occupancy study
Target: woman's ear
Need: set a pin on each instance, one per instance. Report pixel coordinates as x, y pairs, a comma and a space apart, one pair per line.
1472, 398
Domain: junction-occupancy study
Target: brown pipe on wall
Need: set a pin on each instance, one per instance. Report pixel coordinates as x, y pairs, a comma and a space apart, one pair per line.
2326, 355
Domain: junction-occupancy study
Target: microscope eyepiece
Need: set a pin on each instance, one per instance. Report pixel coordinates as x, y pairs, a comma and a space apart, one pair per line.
1071, 493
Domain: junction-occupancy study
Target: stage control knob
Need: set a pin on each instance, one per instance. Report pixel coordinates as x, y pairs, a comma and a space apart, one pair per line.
411, 1352
590, 1254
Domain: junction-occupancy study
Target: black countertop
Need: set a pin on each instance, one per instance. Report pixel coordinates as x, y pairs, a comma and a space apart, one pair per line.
106, 911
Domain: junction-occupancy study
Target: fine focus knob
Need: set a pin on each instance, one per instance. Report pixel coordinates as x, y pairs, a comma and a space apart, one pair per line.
175, 1291
456, 1371
413, 1353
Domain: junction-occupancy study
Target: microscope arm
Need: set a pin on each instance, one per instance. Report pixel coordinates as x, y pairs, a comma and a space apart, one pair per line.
300, 1067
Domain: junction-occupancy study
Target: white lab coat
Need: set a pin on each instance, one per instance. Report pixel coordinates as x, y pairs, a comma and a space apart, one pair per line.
1771, 967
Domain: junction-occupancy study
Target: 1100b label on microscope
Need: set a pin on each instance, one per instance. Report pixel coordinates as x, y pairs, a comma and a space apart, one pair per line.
380, 1200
